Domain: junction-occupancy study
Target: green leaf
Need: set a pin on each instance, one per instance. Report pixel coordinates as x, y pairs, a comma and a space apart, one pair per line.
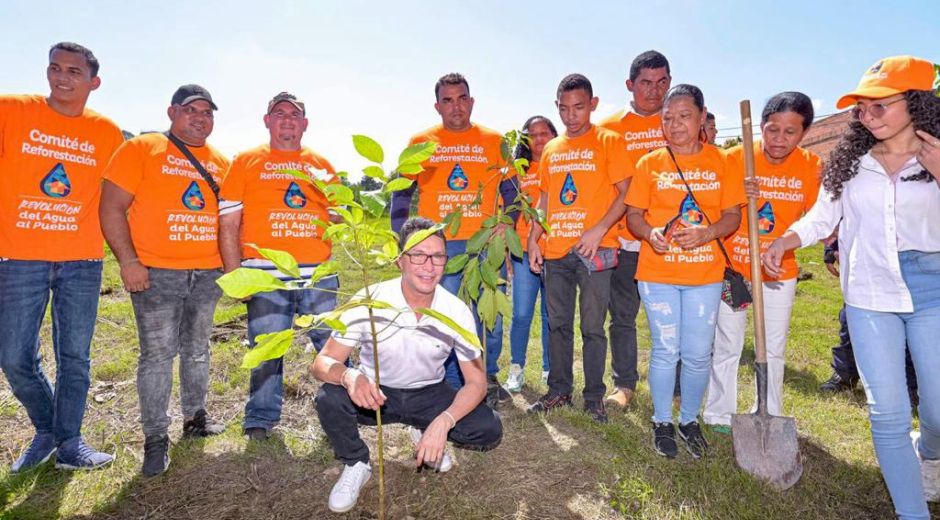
504, 150
390, 248
418, 236
375, 172
491, 221
338, 194
368, 148
478, 240
514, 243
334, 230
297, 174
243, 282
268, 346
398, 184
455, 223
497, 248
486, 307
520, 166
489, 275
456, 263
503, 304
471, 279
410, 169
304, 320
283, 260
416, 153
325, 269
335, 324
469, 337
374, 203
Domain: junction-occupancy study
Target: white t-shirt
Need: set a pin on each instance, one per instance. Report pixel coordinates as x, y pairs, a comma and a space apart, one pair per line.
411, 351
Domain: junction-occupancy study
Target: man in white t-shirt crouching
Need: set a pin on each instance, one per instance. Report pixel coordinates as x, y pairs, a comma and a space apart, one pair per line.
412, 350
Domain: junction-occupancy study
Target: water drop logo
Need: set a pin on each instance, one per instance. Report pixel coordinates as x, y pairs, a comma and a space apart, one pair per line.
294, 198
690, 211
193, 198
56, 183
458, 179
765, 219
569, 192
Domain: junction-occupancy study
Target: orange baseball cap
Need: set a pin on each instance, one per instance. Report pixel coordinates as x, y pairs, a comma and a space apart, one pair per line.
892, 76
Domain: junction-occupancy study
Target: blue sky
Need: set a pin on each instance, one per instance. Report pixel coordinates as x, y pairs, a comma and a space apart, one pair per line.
370, 67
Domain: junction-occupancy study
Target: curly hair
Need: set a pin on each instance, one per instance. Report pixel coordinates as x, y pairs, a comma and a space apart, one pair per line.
924, 109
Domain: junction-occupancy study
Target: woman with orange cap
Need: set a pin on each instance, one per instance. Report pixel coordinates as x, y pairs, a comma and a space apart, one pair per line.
883, 183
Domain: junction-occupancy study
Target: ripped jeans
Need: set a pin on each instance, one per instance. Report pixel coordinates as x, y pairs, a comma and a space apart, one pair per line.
682, 322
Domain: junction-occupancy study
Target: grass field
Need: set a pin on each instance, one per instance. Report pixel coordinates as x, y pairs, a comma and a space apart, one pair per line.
560, 466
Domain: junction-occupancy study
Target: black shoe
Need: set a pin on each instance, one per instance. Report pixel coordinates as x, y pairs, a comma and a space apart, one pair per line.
695, 442
550, 402
256, 434
156, 455
664, 439
495, 393
201, 425
837, 384
596, 410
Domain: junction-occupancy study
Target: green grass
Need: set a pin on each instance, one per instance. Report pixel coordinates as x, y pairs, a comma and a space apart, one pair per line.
560, 466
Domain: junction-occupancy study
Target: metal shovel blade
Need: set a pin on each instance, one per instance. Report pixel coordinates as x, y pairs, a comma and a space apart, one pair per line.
766, 446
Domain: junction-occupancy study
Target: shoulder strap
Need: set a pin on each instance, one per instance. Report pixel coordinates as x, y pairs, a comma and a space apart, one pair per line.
692, 195
195, 162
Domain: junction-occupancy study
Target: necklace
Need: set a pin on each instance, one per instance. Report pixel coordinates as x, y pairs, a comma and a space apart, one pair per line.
892, 171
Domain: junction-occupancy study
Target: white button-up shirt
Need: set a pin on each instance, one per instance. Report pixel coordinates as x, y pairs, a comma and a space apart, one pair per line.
412, 351
879, 218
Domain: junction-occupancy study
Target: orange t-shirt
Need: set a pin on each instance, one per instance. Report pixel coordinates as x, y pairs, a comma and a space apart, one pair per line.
174, 217
50, 180
788, 190
641, 135
578, 175
658, 189
276, 207
529, 186
455, 172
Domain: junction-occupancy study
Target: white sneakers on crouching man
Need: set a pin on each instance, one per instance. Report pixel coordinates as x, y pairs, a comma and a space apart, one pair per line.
345, 492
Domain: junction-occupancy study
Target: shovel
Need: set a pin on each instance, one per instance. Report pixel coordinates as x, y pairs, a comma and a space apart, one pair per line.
764, 445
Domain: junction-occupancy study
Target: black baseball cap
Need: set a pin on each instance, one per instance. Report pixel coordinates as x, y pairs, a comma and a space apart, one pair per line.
290, 98
189, 93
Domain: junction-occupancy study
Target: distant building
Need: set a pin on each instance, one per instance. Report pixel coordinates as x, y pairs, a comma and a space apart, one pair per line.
822, 137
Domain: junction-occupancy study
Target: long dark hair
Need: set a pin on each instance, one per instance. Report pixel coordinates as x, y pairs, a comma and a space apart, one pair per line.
924, 109
522, 148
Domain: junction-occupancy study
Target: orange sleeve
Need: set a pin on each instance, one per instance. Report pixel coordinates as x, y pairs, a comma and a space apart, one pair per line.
543, 176
638, 195
732, 184
126, 167
619, 167
233, 187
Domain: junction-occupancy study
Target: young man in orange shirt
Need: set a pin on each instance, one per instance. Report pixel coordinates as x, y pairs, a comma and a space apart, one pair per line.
584, 178
159, 214
261, 205
52, 153
450, 181
640, 125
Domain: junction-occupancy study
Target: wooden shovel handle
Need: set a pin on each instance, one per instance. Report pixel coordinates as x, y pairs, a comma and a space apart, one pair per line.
760, 345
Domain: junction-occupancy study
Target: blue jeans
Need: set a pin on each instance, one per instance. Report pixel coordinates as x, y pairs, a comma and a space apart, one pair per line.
879, 342
492, 340
526, 285
25, 287
682, 321
272, 312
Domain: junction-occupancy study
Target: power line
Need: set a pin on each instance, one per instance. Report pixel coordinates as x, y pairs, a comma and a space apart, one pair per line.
758, 124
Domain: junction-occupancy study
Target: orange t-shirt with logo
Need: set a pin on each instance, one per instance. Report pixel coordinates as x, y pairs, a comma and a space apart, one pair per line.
788, 190
657, 188
277, 208
452, 176
641, 135
50, 180
578, 175
530, 187
174, 217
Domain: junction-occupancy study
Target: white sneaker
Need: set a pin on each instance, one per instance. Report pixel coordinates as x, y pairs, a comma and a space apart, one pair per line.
445, 464
345, 492
545, 377
929, 472
515, 379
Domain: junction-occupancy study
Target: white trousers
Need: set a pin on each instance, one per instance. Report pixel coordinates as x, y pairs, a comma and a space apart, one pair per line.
722, 394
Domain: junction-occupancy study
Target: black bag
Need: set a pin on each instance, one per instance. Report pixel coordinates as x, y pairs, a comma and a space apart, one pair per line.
735, 289
214, 186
